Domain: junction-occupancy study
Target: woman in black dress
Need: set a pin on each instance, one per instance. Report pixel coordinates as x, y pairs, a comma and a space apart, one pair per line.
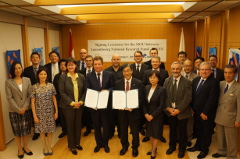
155, 97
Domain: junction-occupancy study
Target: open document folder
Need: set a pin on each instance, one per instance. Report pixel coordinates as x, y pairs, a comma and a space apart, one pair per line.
125, 99
97, 100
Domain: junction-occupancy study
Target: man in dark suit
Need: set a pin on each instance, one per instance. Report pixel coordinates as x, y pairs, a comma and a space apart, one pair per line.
228, 115
197, 63
31, 72
138, 70
61, 119
130, 117
182, 56
205, 92
179, 97
100, 80
52, 67
87, 119
216, 72
156, 61
154, 52
138, 67
82, 63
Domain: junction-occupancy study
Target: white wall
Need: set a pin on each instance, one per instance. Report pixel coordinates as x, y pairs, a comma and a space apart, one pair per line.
36, 39
53, 38
10, 39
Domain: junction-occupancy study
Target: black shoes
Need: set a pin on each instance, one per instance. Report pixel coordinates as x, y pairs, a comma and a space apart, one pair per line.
123, 151
142, 132
21, 156
181, 154
35, 136
193, 149
145, 139
217, 155
203, 154
62, 135
162, 139
87, 133
79, 147
74, 151
106, 149
170, 151
97, 148
28, 153
135, 152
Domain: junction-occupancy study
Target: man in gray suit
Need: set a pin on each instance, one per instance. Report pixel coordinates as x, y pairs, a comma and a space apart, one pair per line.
187, 73
179, 96
228, 115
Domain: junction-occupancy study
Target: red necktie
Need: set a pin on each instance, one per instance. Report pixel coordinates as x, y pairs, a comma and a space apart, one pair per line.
127, 86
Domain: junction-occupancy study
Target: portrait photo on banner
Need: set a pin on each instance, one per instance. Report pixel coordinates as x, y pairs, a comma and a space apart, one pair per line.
233, 59
40, 52
12, 56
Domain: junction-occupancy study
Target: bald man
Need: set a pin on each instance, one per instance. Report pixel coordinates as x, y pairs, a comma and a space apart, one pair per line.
81, 63
117, 74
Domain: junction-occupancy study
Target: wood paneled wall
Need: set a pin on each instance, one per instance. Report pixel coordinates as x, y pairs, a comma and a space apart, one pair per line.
169, 31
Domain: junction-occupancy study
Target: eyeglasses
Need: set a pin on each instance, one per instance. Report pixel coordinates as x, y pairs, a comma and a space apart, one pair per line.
83, 53
205, 69
137, 56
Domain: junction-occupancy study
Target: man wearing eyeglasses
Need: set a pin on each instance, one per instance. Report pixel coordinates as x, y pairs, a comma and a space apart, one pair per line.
205, 95
154, 52
81, 63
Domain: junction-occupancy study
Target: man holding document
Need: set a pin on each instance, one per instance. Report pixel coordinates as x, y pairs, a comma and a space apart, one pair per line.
101, 81
127, 97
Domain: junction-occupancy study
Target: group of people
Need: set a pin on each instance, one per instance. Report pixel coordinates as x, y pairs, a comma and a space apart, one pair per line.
193, 102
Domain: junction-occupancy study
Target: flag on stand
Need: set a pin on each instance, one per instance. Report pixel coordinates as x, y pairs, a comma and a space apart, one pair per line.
71, 49
182, 42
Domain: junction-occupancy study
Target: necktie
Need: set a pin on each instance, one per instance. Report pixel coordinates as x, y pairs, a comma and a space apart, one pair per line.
89, 71
35, 69
199, 87
186, 76
54, 70
226, 89
127, 86
138, 68
213, 72
174, 91
82, 67
98, 78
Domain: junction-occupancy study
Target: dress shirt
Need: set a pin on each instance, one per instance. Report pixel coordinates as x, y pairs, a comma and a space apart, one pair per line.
100, 76
57, 70
214, 72
178, 79
156, 69
75, 86
130, 81
87, 69
150, 94
229, 84
140, 65
80, 65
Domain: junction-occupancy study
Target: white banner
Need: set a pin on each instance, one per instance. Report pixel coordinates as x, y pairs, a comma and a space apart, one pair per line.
126, 48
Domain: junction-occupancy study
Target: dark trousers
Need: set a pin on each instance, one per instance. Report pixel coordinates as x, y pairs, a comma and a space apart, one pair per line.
113, 121
73, 118
100, 119
178, 131
62, 119
204, 129
125, 119
87, 119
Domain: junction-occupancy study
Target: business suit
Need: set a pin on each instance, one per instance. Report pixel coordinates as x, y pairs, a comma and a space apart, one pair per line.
182, 103
228, 112
79, 65
163, 74
29, 72
49, 69
100, 116
149, 64
18, 100
136, 74
204, 101
132, 118
219, 74
73, 117
191, 75
155, 108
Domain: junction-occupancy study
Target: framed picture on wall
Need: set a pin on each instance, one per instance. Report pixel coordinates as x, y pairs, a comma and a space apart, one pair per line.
12, 56
212, 51
198, 51
234, 59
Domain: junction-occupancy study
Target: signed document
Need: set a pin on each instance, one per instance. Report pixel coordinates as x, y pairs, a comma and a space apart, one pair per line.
95, 99
125, 99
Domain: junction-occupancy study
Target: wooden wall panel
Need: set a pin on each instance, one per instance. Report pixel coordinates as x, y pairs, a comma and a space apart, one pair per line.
169, 31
